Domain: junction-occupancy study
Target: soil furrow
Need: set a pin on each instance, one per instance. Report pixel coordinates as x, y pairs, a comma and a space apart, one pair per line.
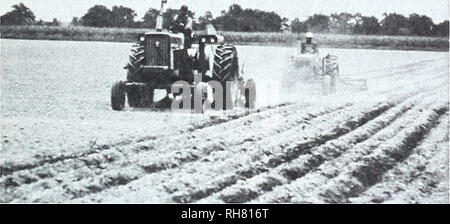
234, 158
306, 185
152, 162
111, 159
8, 169
417, 176
172, 159
288, 154
287, 172
369, 171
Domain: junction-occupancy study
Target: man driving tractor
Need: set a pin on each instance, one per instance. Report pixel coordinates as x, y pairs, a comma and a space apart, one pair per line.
182, 23
309, 47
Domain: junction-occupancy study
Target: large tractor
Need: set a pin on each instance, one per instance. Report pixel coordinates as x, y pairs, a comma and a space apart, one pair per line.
161, 59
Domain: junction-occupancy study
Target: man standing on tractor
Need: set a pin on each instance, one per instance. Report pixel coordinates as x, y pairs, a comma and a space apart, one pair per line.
182, 23
309, 47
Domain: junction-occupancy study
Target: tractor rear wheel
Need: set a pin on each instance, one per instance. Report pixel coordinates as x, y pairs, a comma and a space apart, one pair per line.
330, 73
118, 96
138, 96
136, 61
226, 69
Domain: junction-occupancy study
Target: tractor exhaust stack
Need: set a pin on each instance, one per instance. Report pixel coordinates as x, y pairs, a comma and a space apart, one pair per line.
160, 19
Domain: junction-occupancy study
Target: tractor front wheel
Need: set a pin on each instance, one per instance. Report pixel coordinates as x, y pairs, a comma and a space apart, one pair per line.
118, 96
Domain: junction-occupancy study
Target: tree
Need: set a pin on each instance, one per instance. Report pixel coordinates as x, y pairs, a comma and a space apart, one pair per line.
318, 23
235, 10
97, 16
394, 24
420, 25
75, 21
20, 15
55, 22
170, 14
272, 22
230, 20
259, 21
285, 26
149, 20
441, 29
299, 27
203, 21
249, 20
367, 25
341, 23
122, 16
40, 22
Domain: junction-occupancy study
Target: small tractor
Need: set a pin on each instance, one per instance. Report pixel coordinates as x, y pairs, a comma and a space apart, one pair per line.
161, 59
308, 67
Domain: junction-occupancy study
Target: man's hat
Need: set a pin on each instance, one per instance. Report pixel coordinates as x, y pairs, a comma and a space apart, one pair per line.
184, 8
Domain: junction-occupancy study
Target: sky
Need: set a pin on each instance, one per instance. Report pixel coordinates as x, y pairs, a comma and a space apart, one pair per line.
65, 10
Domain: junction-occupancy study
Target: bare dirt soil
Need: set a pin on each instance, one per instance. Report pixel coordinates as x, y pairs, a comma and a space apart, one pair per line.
61, 142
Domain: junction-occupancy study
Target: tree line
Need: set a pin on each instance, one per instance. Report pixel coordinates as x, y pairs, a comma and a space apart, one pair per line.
391, 24
235, 18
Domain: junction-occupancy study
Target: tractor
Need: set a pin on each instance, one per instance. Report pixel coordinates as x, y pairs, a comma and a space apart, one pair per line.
309, 68
161, 59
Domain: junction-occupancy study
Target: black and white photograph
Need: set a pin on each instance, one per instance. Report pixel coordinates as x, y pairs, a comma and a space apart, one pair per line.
224, 102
